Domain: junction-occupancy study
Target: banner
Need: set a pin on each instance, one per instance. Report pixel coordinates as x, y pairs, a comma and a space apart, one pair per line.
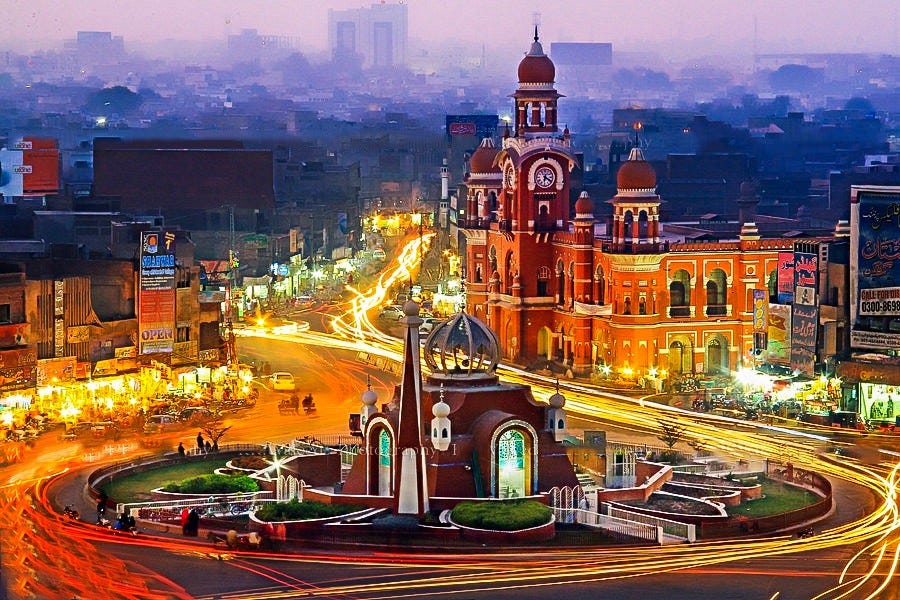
785, 277
156, 319
760, 311
806, 278
804, 326
779, 340
876, 301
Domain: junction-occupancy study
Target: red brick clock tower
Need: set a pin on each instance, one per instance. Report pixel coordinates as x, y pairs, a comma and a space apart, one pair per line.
517, 199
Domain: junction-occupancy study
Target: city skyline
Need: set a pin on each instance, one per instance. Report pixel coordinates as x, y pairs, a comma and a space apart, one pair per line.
697, 28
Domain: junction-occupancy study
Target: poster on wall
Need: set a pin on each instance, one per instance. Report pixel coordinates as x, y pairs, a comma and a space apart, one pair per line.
806, 278
804, 325
875, 270
156, 327
779, 339
785, 277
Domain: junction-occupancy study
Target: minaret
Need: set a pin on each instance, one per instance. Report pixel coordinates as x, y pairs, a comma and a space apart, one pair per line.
411, 490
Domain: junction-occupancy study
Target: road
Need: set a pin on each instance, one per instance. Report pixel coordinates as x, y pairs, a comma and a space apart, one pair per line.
853, 555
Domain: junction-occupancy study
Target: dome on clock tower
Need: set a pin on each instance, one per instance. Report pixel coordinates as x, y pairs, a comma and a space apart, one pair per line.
536, 67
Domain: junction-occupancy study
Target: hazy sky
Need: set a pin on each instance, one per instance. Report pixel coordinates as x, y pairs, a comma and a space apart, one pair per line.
720, 25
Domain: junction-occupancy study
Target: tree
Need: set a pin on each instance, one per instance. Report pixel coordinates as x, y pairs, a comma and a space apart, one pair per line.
214, 428
114, 100
670, 434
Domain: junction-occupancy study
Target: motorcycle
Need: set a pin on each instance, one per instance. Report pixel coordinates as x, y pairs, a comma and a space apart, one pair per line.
71, 513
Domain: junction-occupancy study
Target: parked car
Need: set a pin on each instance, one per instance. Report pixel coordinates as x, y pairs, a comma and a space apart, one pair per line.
283, 381
391, 313
194, 414
428, 324
156, 423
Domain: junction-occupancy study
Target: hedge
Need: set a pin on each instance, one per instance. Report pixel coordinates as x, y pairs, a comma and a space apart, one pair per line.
294, 510
213, 483
501, 515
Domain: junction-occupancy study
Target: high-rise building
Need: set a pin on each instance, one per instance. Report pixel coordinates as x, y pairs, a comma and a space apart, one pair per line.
377, 35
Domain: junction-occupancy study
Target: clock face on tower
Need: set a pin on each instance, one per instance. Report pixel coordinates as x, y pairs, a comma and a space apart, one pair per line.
544, 177
509, 178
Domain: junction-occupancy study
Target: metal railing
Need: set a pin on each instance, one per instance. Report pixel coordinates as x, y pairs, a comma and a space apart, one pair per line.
348, 451
219, 505
685, 531
613, 525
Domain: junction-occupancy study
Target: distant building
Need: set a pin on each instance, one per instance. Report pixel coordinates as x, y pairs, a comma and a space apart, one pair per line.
582, 67
249, 46
378, 34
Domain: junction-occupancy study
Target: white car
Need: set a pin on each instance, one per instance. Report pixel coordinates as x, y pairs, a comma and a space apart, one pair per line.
283, 381
391, 313
428, 324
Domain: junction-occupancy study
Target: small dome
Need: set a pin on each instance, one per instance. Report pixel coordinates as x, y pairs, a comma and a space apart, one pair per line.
536, 67
369, 398
441, 409
482, 160
462, 345
557, 400
411, 309
584, 206
747, 189
636, 173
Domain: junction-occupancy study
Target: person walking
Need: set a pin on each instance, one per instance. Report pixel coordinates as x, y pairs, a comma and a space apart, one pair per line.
180, 449
185, 517
200, 445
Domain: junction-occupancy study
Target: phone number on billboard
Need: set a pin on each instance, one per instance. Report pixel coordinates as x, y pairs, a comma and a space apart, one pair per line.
875, 307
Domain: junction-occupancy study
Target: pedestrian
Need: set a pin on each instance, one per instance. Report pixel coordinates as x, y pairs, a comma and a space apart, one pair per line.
193, 522
180, 449
200, 445
101, 505
185, 517
207, 447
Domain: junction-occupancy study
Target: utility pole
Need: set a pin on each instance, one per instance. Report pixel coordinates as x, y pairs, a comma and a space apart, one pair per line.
229, 301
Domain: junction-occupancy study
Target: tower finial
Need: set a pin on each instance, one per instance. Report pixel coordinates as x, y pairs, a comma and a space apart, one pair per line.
368, 382
535, 33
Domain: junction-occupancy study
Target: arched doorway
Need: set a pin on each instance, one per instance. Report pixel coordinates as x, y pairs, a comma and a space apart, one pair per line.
681, 358
716, 356
716, 293
385, 453
513, 458
544, 343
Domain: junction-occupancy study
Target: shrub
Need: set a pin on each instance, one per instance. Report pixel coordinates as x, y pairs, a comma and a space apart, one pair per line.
213, 484
502, 515
294, 510
251, 462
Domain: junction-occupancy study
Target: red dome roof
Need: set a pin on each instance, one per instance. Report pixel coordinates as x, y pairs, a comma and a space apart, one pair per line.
584, 205
636, 173
536, 67
482, 160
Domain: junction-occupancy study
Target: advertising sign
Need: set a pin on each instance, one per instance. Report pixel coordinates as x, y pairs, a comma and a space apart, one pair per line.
779, 340
156, 320
804, 324
55, 370
806, 278
481, 126
875, 271
31, 166
12, 182
785, 277
760, 311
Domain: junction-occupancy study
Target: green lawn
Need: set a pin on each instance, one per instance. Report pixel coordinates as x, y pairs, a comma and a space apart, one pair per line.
777, 498
136, 487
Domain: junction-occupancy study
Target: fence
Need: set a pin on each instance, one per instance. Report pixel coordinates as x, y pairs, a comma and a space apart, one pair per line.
223, 505
310, 447
685, 531
616, 526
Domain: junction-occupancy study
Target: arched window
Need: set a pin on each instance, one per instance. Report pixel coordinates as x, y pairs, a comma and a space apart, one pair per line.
600, 292
642, 305
627, 223
570, 292
716, 293
479, 276
643, 225
492, 260
680, 294
772, 284
560, 282
385, 452
627, 306
508, 273
543, 281
512, 465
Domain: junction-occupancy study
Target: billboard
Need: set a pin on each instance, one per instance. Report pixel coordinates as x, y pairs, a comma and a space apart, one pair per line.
779, 339
29, 166
478, 125
806, 278
785, 278
804, 326
156, 318
875, 268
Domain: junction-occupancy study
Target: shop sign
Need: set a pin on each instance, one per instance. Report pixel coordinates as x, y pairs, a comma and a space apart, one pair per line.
860, 372
804, 325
